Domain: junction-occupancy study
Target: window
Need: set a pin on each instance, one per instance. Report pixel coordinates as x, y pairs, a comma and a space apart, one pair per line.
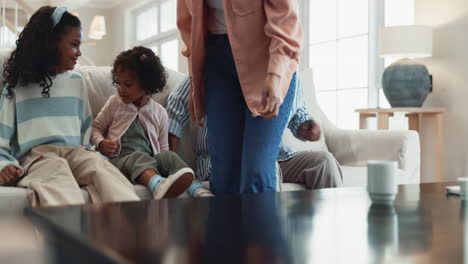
155, 28
147, 24
341, 49
8, 37
338, 54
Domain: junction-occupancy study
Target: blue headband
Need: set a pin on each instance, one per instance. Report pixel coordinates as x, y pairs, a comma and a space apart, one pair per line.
58, 14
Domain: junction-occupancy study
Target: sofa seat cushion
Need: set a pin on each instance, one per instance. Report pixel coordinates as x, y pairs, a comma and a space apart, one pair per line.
143, 192
140, 190
285, 187
13, 200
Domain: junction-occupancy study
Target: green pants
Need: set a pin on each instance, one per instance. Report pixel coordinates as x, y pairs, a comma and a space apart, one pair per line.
134, 164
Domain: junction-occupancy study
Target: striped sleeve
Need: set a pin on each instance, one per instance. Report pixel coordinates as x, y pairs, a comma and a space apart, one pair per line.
203, 158
300, 111
7, 131
177, 108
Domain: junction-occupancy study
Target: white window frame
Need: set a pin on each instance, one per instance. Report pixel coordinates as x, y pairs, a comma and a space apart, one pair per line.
161, 37
376, 64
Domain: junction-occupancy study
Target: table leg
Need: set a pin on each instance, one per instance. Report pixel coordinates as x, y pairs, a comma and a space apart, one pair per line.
438, 146
363, 118
413, 121
382, 120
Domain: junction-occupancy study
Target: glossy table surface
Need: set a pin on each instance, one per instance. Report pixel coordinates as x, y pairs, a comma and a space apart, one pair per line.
327, 226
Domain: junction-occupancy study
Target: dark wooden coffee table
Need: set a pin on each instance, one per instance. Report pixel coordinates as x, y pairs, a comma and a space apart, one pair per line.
327, 226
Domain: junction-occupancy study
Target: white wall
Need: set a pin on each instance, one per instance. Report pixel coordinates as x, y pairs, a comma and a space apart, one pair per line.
102, 52
449, 67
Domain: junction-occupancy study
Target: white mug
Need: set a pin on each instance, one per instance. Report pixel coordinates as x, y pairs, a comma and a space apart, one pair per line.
382, 181
463, 181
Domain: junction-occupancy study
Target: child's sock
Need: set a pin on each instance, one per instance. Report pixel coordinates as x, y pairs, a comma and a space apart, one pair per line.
198, 190
194, 187
154, 182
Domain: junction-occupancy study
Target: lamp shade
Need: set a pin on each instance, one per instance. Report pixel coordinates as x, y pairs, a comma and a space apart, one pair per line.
413, 41
98, 28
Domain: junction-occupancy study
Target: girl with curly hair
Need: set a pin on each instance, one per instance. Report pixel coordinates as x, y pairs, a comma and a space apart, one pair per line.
45, 119
132, 129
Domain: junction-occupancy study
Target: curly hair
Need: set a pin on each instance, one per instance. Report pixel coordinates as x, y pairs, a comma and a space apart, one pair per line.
36, 54
145, 65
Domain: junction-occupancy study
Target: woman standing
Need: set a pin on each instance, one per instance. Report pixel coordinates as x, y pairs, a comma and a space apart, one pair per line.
243, 55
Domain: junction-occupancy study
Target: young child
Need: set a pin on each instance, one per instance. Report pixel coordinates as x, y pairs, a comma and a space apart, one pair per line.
132, 129
45, 119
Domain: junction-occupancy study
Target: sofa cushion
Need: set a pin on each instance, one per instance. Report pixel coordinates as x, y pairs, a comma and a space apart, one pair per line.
140, 190
286, 187
143, 192
13, 200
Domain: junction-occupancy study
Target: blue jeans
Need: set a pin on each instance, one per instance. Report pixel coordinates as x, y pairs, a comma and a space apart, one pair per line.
243, 149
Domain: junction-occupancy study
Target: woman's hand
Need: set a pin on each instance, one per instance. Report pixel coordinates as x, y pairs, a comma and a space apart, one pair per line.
191, 108
9, 174
273, 96
108, 147
195, 118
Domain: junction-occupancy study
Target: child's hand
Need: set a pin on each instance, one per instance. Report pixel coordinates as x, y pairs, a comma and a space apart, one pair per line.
108, 147
9, 174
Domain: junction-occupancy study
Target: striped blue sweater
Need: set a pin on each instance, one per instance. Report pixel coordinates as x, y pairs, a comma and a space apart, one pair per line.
29, 120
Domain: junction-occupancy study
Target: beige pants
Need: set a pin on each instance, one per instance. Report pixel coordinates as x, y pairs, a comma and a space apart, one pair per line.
54, 175
315, 169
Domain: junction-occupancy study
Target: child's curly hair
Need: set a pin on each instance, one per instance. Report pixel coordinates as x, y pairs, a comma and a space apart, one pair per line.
36, 53
145, 65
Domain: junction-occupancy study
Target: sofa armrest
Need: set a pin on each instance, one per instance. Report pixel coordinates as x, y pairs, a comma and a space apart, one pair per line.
356, 147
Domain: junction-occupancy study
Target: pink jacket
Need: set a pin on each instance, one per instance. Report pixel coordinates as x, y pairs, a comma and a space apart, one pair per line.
265, 35
116, 117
